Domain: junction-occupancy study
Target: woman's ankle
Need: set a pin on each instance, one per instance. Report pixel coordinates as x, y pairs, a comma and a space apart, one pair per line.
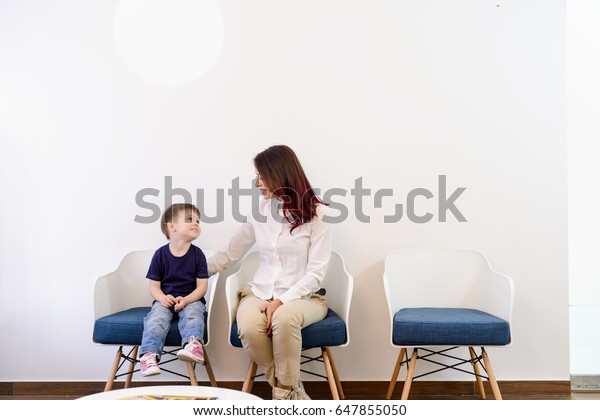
282, 386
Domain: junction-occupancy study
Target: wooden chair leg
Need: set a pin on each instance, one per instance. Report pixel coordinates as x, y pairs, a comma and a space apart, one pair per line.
330, 378
409, 374
192, 373
249, 381
335, 375
209, 371
477, 373
113, 370
395, 374
491, 376
131, 367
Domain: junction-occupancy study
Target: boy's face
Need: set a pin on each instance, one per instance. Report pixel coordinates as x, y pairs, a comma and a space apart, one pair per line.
186, 225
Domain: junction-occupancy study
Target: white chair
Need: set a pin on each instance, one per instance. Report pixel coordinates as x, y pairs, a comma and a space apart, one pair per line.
450, 298
121, 301
330, 332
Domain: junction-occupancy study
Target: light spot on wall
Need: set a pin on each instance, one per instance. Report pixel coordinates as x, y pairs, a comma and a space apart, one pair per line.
169, 43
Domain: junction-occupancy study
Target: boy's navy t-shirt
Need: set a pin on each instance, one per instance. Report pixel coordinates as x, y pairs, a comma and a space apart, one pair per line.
177, 275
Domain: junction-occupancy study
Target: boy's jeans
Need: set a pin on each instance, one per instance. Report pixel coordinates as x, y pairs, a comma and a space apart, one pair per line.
158, 322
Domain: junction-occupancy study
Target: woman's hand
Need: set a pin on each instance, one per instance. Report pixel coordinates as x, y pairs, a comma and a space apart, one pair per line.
269, 310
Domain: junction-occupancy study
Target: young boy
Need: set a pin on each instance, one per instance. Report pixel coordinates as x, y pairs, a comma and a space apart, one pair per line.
178, 281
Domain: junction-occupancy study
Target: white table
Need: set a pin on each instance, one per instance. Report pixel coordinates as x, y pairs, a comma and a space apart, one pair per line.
174, 391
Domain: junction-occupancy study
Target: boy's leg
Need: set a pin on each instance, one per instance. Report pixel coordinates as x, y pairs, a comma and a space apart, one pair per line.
191, 322
191, 327
156, 327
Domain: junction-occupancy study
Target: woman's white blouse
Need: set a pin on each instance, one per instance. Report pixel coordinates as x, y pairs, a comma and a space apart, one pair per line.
292, 266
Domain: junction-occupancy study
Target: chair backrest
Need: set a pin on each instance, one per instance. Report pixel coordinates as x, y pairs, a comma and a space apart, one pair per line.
446, 277
127, 287
124, 288
338, 283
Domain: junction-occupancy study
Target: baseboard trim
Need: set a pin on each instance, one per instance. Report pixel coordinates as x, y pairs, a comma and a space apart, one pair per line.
354, 390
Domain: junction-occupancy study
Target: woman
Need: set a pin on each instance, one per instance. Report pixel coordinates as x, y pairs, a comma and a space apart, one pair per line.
295, 247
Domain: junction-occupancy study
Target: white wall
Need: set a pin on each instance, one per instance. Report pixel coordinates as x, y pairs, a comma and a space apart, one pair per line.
583, 61
395, 92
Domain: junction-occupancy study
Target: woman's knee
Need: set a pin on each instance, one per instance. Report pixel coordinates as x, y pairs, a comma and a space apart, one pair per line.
285, 321
252, 328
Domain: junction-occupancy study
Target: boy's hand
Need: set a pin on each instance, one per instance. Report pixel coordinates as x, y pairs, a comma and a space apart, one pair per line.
179, 303
167, 301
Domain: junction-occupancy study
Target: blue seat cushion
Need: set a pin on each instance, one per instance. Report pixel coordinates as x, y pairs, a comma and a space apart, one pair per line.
449, 326
126, 328
331, 331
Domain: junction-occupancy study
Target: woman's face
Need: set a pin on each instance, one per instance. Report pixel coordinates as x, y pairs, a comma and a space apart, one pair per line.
264, 190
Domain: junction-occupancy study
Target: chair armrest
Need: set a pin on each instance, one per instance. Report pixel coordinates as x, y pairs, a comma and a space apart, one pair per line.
345, 288
232, 286
498, 292
103, 302
210, 295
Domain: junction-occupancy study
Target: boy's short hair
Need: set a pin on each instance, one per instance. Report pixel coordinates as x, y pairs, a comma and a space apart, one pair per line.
172, 212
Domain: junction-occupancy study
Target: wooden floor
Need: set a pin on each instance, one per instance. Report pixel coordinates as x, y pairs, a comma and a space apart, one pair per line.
421, 390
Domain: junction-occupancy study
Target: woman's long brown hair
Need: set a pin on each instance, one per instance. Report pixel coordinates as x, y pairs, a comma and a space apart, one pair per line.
283, 175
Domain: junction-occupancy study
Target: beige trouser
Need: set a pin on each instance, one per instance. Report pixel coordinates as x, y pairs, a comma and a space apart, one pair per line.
277, 356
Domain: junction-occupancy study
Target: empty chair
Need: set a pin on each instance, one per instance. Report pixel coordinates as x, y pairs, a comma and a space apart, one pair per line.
441, 299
